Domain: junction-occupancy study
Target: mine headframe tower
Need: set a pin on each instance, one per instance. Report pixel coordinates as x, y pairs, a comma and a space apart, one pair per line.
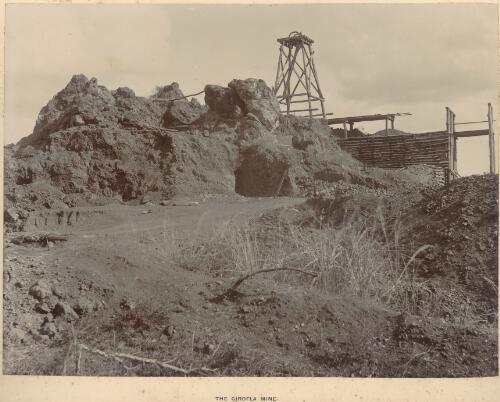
296, 77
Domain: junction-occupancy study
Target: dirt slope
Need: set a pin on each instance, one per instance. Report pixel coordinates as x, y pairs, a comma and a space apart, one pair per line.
460, 222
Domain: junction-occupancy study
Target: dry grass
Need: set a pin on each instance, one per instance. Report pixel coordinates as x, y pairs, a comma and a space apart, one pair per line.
362, 258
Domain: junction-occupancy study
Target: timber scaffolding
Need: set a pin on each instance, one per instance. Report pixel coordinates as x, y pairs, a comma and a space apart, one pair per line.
296, 77
438, 149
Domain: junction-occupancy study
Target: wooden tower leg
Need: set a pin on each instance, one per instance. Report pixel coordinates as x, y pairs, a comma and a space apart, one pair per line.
454, 143
491, 137
448, 169
306, 77
313, 68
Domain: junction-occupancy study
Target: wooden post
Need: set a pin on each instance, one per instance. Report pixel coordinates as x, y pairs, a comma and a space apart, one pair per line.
454, 142
351, 126
291, 63
386, 132
345, 129
491, 137
322, 99
392, 122
448, 173
308, 89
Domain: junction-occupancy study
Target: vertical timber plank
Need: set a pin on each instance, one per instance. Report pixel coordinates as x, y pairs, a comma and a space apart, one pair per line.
491, 138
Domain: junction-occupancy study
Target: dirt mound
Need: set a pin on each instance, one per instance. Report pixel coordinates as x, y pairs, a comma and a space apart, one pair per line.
460, 222
391, 131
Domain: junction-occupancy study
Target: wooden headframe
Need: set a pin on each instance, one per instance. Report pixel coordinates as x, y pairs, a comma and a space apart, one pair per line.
296, 77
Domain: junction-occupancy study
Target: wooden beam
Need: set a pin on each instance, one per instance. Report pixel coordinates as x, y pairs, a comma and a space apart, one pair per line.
471, 133
321, 114
303, 110
371, 117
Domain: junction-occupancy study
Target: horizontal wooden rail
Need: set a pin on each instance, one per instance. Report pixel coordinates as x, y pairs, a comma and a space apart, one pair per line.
470, 133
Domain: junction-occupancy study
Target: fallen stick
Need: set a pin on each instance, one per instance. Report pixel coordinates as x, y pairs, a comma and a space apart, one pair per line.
232, 290
120, 356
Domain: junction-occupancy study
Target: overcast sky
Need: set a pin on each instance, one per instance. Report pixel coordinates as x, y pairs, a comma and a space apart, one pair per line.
369, 58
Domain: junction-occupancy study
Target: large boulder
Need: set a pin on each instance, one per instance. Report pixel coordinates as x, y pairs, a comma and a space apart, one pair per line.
257, 98
222, 100
264, 171
243, 97
182, 112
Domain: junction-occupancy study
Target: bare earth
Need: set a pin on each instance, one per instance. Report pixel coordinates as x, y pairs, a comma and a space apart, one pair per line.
116, 273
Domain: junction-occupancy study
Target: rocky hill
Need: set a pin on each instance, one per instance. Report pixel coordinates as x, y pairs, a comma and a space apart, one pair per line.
93, 146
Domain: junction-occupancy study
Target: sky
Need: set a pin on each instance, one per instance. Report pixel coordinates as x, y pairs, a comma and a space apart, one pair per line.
369, 58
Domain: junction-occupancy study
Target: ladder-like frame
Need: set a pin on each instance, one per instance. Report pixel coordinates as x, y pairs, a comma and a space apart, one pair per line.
453, 135
296, 77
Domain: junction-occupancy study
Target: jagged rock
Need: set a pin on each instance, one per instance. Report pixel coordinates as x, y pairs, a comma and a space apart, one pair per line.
85, 305
125, 92
258, 99
221, 100
251, 129
77, 120
48, 318
11, 215
42, 308
58, 291
49, 329
40, 290
306, 132
183, 112
81, 97
127, 304
264, 172
169, 92
62, 308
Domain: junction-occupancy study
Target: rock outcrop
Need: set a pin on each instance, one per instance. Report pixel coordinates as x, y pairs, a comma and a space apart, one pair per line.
93, 146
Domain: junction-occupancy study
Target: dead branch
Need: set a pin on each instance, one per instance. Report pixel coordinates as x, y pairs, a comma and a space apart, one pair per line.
243, 278
120, 356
